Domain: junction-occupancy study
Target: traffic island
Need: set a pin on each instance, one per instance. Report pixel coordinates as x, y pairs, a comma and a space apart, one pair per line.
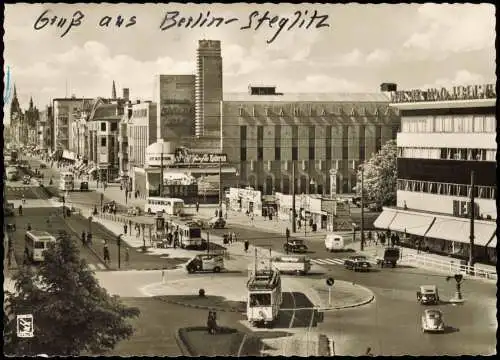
197, 341
217, 303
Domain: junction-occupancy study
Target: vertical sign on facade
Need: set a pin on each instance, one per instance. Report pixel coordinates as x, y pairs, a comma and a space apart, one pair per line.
333, 182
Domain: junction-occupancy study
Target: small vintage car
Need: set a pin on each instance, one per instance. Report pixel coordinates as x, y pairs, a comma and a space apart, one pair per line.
84, 186
134, 211
428, 295
217, 223
295, 246
432, 321
205, 262
357, 263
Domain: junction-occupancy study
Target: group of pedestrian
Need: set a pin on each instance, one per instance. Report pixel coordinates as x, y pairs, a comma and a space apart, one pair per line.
212, 322
229, 238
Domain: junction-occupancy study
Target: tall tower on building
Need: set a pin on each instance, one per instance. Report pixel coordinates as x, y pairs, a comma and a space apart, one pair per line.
113, 91
208, 88
15, 108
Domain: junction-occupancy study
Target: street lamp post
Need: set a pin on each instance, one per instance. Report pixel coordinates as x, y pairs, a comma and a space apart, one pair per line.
220, 185
119, 244
294, 225
362, 245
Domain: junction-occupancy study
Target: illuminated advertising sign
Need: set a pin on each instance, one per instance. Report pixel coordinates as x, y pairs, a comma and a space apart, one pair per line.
475, 92
184, 156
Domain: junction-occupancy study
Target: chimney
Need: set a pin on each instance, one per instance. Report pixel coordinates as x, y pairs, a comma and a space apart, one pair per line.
126, 93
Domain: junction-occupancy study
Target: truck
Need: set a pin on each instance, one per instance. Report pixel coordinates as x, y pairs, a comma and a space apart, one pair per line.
390, 258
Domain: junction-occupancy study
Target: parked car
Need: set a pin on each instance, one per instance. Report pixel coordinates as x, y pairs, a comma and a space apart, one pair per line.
134, 211
205, 262
432, 320
390, 258
428, 295
295, 245
217, 223
357, 263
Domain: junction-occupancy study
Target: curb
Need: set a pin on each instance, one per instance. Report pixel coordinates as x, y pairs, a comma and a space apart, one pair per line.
181, 343
201, 307
358, 304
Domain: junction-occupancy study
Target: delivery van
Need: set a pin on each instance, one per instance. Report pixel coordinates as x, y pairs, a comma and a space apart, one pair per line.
334, 242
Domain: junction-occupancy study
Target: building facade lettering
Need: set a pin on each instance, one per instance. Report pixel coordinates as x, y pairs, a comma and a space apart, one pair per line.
471, 92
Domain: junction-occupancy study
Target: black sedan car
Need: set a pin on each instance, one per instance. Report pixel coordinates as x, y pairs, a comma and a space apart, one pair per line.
295, 246
357, 263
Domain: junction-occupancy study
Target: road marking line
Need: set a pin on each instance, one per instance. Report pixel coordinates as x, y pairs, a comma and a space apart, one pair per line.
333, 261
319, 261
92, 267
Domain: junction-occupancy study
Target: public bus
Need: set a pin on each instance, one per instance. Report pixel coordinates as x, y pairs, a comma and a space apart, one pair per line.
189, 233
168, 206
36, 242
67, 182
264, 297
12, 173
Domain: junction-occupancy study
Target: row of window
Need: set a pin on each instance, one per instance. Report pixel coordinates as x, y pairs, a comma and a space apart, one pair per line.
295, 153
449, 123
482, 192
447, 154
114, 126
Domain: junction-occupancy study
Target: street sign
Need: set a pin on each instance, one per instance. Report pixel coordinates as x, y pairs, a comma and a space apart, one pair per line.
330, 281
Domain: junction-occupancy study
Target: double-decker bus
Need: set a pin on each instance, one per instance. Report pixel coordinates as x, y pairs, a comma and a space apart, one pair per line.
36, 242
168, 206
189, 233
67, 181
264, 297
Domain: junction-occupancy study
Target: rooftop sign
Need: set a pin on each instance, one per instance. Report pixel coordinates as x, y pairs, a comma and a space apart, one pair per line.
471, 92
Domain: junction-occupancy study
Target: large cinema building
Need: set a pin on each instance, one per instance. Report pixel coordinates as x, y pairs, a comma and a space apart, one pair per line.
445, 136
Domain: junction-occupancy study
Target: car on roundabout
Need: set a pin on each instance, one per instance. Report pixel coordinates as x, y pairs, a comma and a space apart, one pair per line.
428, 295
357, 263
205, 262
432, 321
216, 223
295, 246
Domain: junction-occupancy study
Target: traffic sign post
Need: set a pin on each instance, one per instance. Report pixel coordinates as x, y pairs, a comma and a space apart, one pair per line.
330, 282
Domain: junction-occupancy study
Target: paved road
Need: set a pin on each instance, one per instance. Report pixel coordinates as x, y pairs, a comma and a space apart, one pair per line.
395, 311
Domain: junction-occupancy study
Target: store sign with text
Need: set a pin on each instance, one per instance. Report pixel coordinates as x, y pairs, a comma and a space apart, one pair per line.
471, 92
184, 156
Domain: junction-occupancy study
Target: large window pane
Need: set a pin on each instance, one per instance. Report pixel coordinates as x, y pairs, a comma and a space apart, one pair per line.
478, 123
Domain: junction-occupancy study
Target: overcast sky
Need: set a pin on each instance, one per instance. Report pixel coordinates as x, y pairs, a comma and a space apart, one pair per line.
414, 46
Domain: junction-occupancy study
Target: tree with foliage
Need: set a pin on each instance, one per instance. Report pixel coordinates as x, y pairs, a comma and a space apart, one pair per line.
71, 312
380, 176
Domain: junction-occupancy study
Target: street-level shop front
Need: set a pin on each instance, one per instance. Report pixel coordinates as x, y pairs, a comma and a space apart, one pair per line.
248, 201
442, 234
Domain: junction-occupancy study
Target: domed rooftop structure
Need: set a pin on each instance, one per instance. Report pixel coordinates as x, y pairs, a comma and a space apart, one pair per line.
161, 146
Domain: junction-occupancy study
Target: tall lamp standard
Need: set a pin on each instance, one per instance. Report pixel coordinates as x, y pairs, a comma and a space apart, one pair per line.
362, 245
220, 185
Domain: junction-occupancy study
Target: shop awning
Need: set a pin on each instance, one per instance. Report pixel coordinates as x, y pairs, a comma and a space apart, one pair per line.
384, 220
493, 242
415, 224
68, 155
458, 230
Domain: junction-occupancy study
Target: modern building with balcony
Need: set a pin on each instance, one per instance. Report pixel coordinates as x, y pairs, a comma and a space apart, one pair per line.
446, 135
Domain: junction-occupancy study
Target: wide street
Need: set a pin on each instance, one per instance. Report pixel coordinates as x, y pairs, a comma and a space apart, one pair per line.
471, 327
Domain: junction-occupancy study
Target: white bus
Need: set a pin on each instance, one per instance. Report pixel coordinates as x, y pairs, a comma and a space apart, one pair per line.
264, 297
12, 173
189, 233
293, 264
36, 242
67, 181
169, 206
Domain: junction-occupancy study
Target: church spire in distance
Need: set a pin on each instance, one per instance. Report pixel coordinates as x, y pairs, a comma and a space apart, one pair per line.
113, 91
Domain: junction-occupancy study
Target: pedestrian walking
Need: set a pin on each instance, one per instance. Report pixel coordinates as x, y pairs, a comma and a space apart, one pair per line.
83, 238
197, 207
106, 254
127, 256
89, 238
23, 199
234, 236
20, 209
28, 227
246, 244
125, 227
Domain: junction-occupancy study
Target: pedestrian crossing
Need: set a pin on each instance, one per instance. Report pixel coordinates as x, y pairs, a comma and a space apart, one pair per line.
97, 267
335, 261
